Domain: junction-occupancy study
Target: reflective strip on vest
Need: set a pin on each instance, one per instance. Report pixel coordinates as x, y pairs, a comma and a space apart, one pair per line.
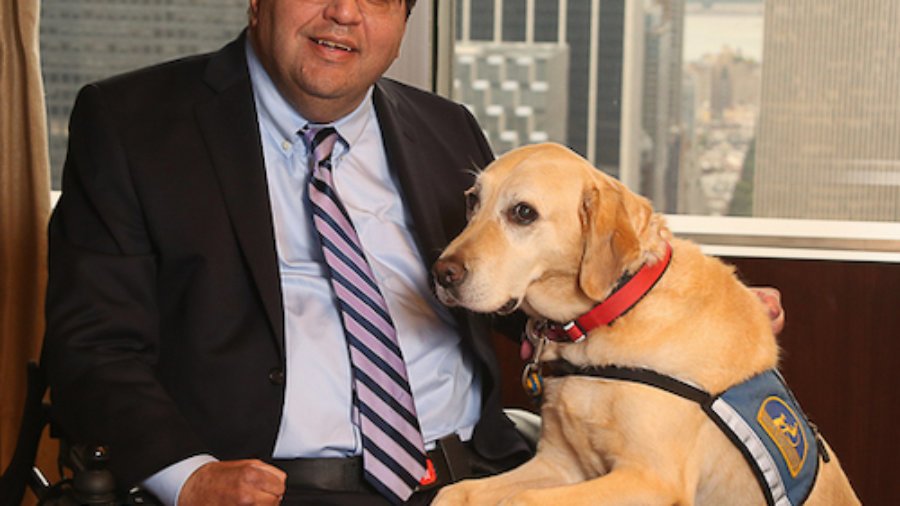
766, 422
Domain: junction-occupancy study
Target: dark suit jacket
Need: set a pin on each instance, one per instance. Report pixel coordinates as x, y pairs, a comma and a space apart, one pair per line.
165, 334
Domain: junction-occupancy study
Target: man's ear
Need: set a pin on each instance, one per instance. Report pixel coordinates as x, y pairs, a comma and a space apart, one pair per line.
611, 242
253, 13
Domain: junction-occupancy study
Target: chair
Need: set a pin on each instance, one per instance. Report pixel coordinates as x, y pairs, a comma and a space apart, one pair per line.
527, 423
85, 477
86, 481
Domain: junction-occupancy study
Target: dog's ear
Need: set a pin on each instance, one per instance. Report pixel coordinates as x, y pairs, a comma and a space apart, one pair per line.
616, 225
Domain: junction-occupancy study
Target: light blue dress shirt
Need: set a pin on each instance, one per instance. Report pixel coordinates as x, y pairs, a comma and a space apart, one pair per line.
317, 419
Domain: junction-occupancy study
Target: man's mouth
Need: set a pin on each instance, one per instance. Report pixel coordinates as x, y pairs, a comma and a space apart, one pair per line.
333, 45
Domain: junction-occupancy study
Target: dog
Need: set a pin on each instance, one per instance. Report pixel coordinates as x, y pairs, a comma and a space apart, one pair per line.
633, 412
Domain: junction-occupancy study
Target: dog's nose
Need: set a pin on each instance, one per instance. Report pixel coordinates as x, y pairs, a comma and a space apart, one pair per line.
448, 272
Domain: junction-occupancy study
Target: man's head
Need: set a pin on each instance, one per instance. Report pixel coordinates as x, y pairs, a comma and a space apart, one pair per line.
324, 54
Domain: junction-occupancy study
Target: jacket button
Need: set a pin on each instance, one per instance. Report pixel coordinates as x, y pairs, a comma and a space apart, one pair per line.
276, 376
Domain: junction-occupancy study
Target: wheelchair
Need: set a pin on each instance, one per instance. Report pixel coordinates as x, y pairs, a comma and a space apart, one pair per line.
85, 480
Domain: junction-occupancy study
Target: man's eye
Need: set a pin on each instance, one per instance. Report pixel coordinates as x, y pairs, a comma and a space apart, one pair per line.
378, 6
522, 214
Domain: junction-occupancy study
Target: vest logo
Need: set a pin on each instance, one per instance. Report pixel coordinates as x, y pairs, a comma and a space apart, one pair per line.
783, 426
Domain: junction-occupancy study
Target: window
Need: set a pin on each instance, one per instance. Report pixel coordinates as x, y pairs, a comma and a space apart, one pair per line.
785, 114
761, 127
88, 40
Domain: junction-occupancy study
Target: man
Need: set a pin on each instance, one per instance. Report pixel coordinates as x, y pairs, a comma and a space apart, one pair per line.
191, 322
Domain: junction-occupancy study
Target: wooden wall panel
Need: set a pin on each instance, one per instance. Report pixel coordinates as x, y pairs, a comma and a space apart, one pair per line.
841, 356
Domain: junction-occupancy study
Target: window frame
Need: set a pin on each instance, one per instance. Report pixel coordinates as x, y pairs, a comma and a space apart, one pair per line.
426, 61
725, 236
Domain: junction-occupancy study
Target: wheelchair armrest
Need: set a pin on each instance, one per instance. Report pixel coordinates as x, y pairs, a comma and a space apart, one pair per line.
527, 423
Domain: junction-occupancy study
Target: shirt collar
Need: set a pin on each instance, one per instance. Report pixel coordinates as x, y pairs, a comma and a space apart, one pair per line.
277, 112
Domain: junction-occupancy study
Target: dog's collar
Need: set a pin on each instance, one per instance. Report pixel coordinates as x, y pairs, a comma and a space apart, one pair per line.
626, 296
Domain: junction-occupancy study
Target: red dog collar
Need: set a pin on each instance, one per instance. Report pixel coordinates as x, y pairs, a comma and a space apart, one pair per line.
621, 300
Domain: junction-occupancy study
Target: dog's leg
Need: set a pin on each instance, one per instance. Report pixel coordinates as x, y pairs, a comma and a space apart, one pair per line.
541, 471
621, 487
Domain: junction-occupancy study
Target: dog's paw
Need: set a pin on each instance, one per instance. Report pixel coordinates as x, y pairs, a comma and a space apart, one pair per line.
524, 498
452, 495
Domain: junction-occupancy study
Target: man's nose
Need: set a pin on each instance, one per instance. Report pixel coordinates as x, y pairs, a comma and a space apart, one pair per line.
344, 12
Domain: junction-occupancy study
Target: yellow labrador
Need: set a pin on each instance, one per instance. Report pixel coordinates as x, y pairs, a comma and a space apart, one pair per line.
635, 416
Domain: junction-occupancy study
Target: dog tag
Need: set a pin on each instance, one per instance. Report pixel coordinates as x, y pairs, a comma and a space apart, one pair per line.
532, 381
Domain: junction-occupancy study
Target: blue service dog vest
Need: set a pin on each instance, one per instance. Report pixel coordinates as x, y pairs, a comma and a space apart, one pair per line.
760, 416
763, 419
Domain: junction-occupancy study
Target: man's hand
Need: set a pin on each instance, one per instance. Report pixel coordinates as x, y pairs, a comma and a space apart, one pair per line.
237, 482
771, 299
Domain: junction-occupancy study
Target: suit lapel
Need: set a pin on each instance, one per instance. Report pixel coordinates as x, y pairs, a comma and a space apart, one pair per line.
229, 125
407, 159
230, 128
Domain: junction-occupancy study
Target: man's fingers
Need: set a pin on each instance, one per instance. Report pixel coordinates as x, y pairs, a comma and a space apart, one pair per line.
240, 482
771, 299
272, 479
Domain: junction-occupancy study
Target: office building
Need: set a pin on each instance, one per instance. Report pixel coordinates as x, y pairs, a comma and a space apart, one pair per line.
829, 129
88, 40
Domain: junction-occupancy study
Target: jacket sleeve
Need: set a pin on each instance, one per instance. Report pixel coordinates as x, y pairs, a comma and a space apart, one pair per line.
102, 326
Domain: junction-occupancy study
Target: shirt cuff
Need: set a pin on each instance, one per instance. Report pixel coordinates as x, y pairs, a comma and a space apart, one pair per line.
166, 484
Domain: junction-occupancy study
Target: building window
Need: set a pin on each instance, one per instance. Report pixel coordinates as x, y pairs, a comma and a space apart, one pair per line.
786, 114
88, 40
749, 122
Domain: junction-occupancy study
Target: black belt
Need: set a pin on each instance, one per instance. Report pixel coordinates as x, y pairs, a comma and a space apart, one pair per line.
451, 460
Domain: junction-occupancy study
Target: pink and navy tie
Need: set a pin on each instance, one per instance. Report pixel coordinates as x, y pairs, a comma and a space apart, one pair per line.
393, 451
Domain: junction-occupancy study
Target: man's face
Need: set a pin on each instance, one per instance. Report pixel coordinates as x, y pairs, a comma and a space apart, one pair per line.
324, 54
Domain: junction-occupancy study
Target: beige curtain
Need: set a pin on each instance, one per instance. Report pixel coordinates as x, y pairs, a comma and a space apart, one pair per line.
24, 209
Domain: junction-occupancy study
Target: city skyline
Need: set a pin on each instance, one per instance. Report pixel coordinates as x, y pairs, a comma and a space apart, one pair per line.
673, 102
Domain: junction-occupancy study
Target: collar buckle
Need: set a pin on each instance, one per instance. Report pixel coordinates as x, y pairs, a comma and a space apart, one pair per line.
574, 331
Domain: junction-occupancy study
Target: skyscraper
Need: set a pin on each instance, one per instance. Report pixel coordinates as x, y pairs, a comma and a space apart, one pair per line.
594, 129
661, 101
88, 40
828, 145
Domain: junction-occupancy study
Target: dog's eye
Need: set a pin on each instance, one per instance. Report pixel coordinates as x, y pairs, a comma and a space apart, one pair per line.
522, 214
471, 204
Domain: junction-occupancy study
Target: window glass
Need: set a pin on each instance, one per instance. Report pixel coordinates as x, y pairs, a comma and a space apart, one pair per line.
752, 108
88, 40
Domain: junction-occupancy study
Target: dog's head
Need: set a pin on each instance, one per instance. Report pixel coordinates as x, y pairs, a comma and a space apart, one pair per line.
549, 233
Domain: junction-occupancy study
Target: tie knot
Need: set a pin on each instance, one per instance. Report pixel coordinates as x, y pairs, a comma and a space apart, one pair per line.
320, 142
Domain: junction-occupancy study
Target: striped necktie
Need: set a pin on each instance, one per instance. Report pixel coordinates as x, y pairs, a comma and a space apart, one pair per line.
393, 450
